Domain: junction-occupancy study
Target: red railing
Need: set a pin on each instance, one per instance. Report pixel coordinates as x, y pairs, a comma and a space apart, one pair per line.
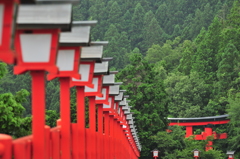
113, 144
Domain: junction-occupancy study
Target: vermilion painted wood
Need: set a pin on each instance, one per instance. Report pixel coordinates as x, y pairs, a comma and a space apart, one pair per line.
99, 88
6, 52
65, 117
22, 147
220, 136
96, 142
5, 146
50, 66
85, 83
119, 142
189, 131
208, 133
55, 143
200, 123
75, 72
88, 143
116, 135
111, 150
122, 142
111, 109
106, 132
216, 136
81, 121
29, 149
104, 101
75, 143
114, 141
47, 133
8, 23
104, 137
38, 113
100, 132
19, 150
92, 126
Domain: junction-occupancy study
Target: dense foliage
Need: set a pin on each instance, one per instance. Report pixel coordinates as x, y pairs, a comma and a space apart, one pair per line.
11, 110
148, 98
177, 58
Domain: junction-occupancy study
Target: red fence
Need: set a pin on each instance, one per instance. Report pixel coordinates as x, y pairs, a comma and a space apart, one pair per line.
108, 145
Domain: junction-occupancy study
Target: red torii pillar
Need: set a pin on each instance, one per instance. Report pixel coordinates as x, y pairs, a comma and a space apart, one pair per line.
189, 131
208, 132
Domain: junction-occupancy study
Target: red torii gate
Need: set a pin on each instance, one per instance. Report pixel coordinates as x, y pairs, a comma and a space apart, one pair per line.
202, 121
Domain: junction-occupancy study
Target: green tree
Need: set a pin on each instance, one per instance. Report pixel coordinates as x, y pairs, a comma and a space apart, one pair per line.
162, 14
113, 49
207, 53
176, 31
188, 95
186, 61
51, 118
137, 26
157, 53
97, 11
153, 34
227, 68
81, 11
52, 95
115, 15
169, 143
233, 17
11, 119
234, 125
148, 99
148, 17
127, 21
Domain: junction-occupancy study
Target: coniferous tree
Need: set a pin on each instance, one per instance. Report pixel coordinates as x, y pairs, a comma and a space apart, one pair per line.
227, 68
147, 18
137, 26
186, 28
176, 31
207, 53
162, 14
113, 49
186, 61
207, 14
153, 34
98, 12
127, 20
115, 15
233, 18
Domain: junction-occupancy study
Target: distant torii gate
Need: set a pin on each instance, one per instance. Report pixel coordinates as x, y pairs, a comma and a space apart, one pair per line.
207, 122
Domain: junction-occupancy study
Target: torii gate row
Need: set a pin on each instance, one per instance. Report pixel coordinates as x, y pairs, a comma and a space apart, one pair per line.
207, 122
